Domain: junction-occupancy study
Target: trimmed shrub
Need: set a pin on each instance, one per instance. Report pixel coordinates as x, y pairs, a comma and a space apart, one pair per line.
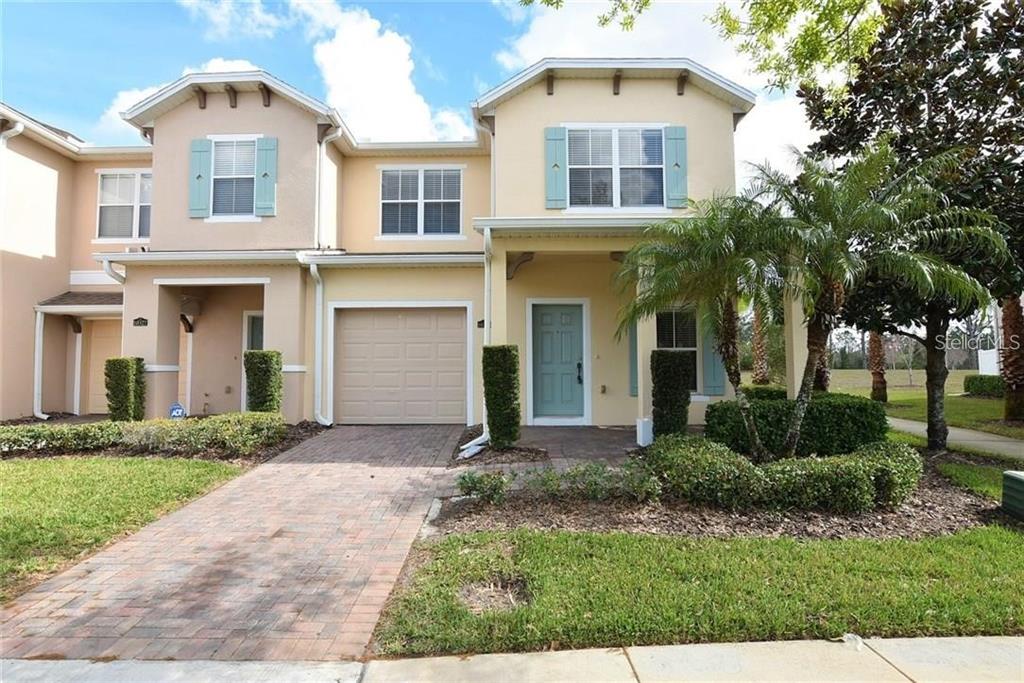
543, 482
638, 482
593, 481
988, 386
501, 394
490, 487
232, 433
765, 393
125, 380
264, 383
834, 424
60, 438
895, 468
670, 391
837, 484
704, 472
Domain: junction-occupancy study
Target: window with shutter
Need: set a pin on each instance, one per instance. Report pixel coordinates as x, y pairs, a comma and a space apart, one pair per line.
234, 177
421, 202
677, 330
613, 167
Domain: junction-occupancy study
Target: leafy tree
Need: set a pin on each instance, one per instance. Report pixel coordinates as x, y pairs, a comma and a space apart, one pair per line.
790, 41
712, 260
943, 74
866, 222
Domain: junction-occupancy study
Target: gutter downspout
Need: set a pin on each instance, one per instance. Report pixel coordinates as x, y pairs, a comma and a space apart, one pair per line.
321, 148
37, 369
471, 448
318, 346
108, 268
14, 131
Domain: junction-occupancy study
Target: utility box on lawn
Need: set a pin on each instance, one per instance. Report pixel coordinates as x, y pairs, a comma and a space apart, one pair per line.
1013, 493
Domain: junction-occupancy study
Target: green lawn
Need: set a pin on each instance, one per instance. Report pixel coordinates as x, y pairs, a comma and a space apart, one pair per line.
985, 480
908, 400
604, 590
56, 509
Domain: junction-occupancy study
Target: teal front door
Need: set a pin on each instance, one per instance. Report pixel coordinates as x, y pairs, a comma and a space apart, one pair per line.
558, 360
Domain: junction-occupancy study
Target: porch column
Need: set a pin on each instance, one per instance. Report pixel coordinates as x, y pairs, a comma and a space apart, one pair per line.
646, 341
499, 295
156, 341
795, 333
284, 330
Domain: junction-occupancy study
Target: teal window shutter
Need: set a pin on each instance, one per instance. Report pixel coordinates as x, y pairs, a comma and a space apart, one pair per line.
633, 370
675, 167
712, 365
199, 172
266, 177
555, 183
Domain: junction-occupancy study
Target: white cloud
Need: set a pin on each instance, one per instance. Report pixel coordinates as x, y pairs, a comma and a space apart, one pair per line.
511, 10
226, 19
111, 129
666, 29
368, 69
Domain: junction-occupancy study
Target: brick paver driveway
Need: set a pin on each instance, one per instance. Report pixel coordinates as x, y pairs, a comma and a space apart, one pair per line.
292, 560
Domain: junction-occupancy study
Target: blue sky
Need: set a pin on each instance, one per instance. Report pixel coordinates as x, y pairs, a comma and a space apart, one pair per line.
404, 70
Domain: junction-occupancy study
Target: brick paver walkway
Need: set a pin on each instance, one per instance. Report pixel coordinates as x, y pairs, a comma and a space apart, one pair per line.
293, 560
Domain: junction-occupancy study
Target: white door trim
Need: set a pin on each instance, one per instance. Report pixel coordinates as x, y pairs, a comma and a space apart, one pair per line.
586, 418
334, 306
245, 345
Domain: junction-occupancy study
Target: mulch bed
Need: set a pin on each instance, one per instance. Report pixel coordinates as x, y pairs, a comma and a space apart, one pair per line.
294, 435
493, 456
938, 507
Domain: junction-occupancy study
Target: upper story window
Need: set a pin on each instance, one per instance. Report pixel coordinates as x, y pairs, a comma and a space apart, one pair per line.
124, 204
677, 330
422, 201
616, 167
234, 177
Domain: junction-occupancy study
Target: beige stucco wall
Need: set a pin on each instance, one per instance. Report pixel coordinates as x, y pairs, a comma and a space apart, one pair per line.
35, 244
520, 123
391, 285
217, 345
360, 205
84, 214
330, 196
295, 130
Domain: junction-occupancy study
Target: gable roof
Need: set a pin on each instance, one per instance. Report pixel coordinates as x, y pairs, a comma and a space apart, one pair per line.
66, 143
741, 99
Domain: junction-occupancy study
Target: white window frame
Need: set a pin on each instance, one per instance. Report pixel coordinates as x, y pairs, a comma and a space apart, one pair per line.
419, 235
616, 168
231, 218
136, 205
698, 378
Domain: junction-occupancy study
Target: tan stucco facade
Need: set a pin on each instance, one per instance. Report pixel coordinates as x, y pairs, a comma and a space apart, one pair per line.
328, 214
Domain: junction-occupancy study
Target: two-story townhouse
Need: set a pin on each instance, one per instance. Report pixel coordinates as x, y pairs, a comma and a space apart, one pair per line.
380, 269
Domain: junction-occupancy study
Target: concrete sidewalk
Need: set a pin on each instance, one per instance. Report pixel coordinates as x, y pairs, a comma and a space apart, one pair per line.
966, 438
897, 659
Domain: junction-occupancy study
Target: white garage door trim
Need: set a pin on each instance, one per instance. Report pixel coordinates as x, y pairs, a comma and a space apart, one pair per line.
334, 306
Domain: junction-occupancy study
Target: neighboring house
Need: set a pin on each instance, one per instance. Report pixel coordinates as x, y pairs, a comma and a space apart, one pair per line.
254, 219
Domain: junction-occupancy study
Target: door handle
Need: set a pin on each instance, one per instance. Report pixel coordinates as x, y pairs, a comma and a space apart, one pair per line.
579, 373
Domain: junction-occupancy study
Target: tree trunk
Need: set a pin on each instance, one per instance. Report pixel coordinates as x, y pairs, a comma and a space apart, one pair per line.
817, 339
936, 326
761, 370
876, 364
728, 349
823, 373
1012, 354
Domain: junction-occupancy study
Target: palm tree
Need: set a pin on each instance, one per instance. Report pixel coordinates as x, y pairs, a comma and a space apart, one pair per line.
876, 365
711, 260
1013, 358
761, 374
845, 225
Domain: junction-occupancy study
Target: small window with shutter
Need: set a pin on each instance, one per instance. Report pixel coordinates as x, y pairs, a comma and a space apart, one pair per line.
614, 167
234, 177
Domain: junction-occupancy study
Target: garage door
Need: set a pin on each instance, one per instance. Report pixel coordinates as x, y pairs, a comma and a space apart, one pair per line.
395, 366
104, 343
